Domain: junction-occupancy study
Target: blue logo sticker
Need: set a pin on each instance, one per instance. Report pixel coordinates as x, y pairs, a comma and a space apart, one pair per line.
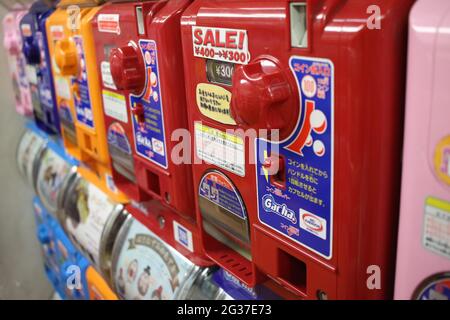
183, 236
82, 98
45, 82
301, 206
147, 110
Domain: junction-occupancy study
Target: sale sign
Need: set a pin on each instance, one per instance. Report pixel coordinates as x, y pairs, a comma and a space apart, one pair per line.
229, 45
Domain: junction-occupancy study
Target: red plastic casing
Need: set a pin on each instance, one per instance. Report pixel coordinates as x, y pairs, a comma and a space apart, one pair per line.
157, 193
369, 77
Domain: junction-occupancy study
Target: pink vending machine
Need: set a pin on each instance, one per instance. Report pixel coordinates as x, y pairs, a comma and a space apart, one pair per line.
423, 265
12, 42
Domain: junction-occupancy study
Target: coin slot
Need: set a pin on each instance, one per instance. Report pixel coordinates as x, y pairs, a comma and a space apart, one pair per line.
299, 26
140, 20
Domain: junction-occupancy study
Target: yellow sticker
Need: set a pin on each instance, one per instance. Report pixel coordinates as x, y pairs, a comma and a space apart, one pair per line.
442, 160
214, 103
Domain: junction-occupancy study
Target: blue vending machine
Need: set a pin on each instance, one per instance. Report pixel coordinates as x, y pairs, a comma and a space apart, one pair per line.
38, 66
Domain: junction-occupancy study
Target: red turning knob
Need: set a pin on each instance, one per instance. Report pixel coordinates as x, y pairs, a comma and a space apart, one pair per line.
262, 97
127, 68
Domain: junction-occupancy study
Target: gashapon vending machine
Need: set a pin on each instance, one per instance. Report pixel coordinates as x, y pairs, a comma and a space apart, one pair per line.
140, 64
35, 49
423, 255
78, 96
295, 111
12, 42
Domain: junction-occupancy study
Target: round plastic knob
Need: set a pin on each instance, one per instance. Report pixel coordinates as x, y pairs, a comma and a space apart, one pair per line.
262, 97
127, 68
66, 57
31, 51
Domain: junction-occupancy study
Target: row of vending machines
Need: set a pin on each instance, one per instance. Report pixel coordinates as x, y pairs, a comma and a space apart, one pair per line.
301, 146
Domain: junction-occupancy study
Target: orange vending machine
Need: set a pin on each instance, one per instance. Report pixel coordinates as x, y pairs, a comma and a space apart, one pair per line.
78, 96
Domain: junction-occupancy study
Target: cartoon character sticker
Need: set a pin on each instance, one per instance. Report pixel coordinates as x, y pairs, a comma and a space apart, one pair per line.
52, 174
132, 270
87, 211
146, 268
144, 281
29, 147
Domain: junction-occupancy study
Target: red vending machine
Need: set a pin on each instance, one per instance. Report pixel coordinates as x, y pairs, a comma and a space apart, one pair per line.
295, 111
139, 56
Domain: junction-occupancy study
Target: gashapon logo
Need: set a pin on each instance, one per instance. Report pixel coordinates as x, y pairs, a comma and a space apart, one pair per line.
270, 205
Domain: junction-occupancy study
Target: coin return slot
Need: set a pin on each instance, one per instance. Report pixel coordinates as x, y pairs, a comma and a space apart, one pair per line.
87, 142
153, 183
291, 271
299, 26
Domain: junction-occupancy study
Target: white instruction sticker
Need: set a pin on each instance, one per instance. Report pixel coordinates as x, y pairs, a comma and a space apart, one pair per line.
31, 74
223, 149
115, 106
62, 88
57, 32
106, 75
108, 23
436, 231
